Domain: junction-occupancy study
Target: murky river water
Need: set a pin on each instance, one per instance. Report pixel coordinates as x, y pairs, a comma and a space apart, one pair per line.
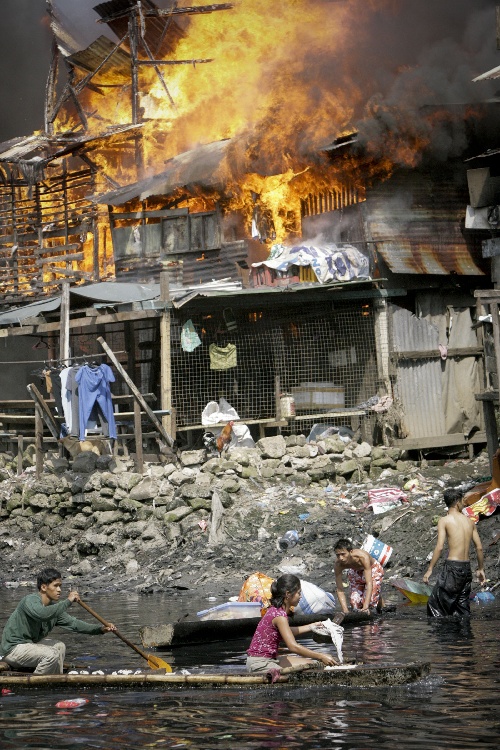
456, 707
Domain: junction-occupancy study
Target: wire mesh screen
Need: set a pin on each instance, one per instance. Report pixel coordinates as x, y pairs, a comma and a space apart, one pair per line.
324, 355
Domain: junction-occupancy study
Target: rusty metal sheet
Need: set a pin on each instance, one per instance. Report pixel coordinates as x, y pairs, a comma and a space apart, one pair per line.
89, 59
416, 221
418, 386
161, 44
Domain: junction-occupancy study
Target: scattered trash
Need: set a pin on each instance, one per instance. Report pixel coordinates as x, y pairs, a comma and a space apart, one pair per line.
203, 524
6, 691
482, 597
304, 516
411, 484
73, 702
290, 539
314, 600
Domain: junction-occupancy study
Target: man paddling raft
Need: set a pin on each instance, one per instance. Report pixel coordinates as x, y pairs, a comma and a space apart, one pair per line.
24, 642
451, 593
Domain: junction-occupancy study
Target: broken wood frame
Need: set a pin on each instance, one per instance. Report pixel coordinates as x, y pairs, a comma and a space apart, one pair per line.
135, 38
43, 228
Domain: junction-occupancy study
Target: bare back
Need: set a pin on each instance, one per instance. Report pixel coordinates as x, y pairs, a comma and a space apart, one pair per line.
459, 532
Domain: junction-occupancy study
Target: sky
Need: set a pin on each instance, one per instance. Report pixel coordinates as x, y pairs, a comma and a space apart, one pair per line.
460, 33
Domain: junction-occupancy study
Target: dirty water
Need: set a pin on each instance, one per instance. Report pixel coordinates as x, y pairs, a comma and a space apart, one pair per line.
455, 707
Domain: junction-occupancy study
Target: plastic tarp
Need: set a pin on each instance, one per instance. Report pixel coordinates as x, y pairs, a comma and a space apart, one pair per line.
329, 261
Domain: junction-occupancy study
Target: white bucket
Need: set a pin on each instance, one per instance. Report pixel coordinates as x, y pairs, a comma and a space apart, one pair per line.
377, 549
287, 403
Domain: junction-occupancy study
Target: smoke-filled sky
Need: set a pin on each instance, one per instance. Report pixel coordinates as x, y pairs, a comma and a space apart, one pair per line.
403, 52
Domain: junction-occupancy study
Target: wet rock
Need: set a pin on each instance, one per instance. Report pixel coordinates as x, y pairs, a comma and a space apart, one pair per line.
346, 468
128, 481
193, 458
177, 514
334, 444
90, 544
147, 489
82, 568
384, 462
178, 478
103, 518
104, 462
100, 503
362, 450
85, 462
272, 447
200, 503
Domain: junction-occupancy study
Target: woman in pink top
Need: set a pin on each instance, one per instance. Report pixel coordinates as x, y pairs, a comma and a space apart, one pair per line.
274, 627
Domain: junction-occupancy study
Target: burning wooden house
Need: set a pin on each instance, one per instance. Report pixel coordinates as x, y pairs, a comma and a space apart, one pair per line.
167, 249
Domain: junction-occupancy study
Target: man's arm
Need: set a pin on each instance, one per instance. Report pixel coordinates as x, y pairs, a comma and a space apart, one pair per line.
367, 570
480, 557
438, 548
340, 587
35, 609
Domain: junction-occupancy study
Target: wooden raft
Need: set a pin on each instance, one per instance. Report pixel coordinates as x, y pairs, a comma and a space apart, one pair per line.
364, 675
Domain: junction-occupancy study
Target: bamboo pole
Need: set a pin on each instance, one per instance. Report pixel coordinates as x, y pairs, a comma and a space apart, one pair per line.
139, 454
38, 442
165, 355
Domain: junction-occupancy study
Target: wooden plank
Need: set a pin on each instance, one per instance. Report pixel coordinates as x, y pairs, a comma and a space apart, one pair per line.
466, 351
165, 353
136, 392
171, 213
64, 323
68, 272
321, 415
271, 422
38, 442
139, 455
439, 441
80, 322
45, 411
155, 63
58, 248
59, 259
20, 451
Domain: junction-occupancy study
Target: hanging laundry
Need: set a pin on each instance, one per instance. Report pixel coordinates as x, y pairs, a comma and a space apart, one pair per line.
72, 391
93, 387
189, 338
66, 398
222, 358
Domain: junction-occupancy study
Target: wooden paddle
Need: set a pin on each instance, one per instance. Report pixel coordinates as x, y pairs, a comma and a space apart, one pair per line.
153, 661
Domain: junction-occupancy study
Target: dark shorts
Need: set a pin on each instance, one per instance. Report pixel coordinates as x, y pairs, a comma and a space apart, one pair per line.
451, 592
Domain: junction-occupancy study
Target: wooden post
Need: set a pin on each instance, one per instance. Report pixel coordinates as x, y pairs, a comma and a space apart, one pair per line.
20, 450
496, 334
44, 410
165, 357
64, 332
139, 455
498, 26
38, 441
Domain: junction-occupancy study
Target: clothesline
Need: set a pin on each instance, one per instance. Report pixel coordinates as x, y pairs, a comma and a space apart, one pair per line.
46, 361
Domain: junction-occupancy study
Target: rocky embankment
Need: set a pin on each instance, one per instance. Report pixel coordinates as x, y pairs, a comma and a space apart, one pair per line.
106, 526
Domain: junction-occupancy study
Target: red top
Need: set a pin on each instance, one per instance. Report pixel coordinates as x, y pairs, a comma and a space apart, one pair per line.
267, 637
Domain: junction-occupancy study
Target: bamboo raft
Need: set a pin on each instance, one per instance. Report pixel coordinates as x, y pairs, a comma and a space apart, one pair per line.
350, 675
199, 632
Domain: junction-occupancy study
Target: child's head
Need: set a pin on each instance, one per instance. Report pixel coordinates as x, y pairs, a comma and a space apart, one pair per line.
285, 584
452, 496
343, 548
47, 576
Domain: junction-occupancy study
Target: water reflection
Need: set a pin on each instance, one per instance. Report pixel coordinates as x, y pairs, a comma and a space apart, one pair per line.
423, 715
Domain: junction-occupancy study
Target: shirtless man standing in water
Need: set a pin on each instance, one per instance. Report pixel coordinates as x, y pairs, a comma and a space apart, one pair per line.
451, 591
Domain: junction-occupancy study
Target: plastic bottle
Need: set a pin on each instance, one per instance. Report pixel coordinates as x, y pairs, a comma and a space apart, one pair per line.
290, 539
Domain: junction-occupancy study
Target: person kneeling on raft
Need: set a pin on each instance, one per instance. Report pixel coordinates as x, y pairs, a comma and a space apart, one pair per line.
274, 627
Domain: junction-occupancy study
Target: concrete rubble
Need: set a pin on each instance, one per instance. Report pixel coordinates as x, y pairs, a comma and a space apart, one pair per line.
208, 523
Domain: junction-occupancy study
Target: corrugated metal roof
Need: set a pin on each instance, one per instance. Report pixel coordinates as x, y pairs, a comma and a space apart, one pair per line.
90, 58
44, 148
416, 221
160, 43
493, 73
200, 166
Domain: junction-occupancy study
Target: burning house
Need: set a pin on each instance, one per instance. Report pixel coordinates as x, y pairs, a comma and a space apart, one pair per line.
290, 259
